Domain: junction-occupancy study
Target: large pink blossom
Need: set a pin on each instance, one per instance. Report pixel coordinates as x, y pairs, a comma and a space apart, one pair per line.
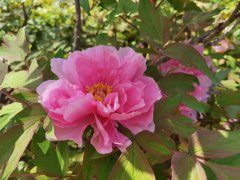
201, 92
102, 88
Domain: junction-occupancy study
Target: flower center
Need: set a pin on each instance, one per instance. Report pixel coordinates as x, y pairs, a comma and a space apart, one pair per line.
99, 91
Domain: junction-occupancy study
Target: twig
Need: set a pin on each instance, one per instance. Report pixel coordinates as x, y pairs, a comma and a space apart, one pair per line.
159, 4
209, 35
13, 98
25, 16
131, 24
77, 30
179, 33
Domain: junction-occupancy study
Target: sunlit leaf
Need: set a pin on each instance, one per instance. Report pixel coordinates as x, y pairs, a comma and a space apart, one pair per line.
186, 167
152, 143
132, 164
14, 48
8, 112
214, 144
224, 172
180, 125
15, 142
25, 78
3, 71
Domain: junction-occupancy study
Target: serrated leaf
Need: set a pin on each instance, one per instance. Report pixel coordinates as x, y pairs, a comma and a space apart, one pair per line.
133, 165
98, 168
8, 112
154, 27
180, 125
215, 143
152, 143
190, 57
186, 167
224, 172
193, 103
177, 83
15, 142
51, 160
25, 78
14, 48
3, 71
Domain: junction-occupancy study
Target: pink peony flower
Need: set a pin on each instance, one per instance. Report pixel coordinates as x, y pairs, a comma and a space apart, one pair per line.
102, 88
201, 90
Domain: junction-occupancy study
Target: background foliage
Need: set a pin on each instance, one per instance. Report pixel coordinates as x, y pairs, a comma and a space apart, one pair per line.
34, 31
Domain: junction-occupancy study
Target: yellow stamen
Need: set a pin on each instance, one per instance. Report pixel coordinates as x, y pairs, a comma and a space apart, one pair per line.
99, 91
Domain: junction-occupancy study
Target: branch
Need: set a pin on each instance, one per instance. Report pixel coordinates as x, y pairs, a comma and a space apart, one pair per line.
13, 98
77, 30
209, 35
131, 24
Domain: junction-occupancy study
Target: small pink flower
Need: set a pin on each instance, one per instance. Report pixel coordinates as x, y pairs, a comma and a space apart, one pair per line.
201, 90
223, 46
102, 88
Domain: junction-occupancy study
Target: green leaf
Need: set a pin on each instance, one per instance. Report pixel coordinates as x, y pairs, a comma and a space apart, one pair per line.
166, 107
152, 143
29, 79
193, 103
98, 168
214, 144
85, 6
233, 111
229, 161
104, 39
27, 96
133, 165
154, 27
50, 160
186, 167
15, 141
33, 111
8, 112
224, 172
3, 71
177, 83
180, 125
14, 48
228, 97
178, 5
190, 57
194, 17
126, 6
107, 3
152, 71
